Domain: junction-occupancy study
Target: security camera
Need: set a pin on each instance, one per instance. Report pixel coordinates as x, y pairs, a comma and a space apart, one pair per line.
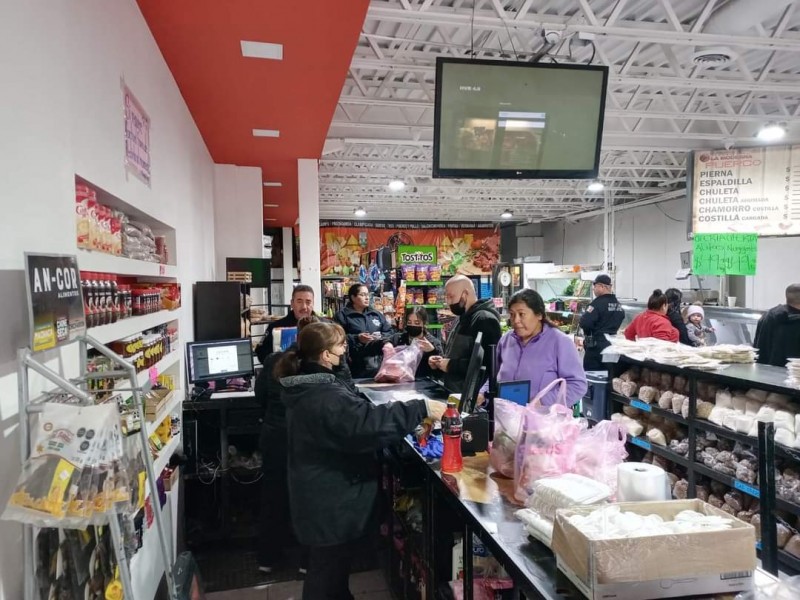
729, 143
551, 36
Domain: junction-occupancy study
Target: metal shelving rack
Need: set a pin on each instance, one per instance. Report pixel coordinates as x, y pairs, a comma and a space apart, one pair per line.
78, 387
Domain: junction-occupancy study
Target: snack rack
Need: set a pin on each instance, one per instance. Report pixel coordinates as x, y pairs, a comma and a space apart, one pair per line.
78, 388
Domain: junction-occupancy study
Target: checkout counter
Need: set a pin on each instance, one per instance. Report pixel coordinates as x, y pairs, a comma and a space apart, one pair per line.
475, 501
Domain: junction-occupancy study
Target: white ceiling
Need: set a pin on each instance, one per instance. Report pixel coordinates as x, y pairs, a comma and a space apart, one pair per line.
659, 103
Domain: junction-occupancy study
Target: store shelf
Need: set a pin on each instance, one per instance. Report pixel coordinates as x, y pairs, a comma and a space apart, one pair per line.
789, 560
732, 482
434, 326
147, 567
105, 334
424, 283
726, 433
425, 305
162, 460
89, 260
563, 313
650, 408
167, 409
662, 451
165, 363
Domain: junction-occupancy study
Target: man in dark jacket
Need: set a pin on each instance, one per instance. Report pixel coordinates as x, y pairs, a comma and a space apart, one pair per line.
675, 316
603, 316
474, 316
302, 305
778, 331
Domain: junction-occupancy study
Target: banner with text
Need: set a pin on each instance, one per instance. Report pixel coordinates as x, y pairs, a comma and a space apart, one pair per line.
417, 255
137, 137
55, 300
724, 253
750, 190
470, 251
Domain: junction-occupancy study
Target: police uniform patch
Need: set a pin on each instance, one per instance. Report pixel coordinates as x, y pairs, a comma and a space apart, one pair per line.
590, 309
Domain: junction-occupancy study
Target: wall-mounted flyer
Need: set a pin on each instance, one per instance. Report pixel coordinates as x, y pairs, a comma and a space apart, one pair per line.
55, 300
748, 190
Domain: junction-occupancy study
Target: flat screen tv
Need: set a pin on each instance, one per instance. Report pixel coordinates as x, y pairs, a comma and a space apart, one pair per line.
515, 120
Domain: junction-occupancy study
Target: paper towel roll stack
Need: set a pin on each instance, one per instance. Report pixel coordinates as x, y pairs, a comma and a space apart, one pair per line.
641, 482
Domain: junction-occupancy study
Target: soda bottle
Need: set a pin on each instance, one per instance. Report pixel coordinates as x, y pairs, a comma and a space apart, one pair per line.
452, 461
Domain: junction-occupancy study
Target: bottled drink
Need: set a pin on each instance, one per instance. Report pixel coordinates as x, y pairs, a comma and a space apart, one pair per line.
452, 461
112, 280
86, 289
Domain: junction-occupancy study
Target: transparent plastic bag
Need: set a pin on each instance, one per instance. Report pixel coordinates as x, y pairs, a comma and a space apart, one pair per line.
399, 364
787, 589
599, 450
507, 426
547, 440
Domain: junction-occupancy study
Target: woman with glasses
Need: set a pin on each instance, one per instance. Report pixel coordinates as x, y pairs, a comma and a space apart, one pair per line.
334, 434
366, 331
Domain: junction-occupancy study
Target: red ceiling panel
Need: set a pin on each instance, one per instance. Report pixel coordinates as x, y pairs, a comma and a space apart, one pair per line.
230, 95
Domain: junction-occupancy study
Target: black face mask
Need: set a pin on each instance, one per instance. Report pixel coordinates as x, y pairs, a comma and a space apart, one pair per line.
459, 308
414, 330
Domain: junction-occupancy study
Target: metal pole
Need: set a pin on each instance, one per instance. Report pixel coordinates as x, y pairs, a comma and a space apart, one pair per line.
24, 452
29, 362
766, 480
119, 551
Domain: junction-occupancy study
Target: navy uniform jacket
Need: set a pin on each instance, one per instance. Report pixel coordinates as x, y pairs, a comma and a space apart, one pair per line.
603, 315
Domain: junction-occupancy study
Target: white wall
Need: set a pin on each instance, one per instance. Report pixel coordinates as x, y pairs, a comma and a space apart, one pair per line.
61, 114
238, 214
648, 241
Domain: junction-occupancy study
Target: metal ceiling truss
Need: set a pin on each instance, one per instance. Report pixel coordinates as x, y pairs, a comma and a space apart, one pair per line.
659, 106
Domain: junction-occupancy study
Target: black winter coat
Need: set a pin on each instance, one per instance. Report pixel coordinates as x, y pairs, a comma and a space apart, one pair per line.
778, 335
364, 359
481, 317
334, 434
676, 318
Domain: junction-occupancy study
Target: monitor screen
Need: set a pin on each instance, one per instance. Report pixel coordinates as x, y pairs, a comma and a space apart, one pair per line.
476, 375
513, 120
223, 359
515, 391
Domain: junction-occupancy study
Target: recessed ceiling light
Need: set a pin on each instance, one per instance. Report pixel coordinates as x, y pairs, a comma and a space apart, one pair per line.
507, 214
396, 185
262, 50
595, 186
272, 184
266, 133
360, 212
771, 132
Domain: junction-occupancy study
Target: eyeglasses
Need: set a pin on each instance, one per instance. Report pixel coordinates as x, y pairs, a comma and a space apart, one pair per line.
363, 295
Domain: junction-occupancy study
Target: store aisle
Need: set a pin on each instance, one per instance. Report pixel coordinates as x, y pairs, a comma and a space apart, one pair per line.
370, 585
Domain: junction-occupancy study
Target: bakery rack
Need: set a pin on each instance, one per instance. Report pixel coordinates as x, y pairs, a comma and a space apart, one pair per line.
79, 388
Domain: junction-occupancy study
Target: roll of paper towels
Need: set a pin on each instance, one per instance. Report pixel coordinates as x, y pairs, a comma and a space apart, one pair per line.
641, 482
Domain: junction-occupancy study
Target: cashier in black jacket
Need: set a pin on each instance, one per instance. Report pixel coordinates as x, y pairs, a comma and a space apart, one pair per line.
603, 316
302, 306
778, 331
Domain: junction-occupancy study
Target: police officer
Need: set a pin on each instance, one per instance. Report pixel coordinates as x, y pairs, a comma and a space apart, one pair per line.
603, 316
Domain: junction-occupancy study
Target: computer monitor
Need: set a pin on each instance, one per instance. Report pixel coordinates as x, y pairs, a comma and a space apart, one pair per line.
219, 360
476, 373
515, 391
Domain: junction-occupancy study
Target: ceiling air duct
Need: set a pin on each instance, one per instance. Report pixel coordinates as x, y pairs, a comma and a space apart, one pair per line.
734, 17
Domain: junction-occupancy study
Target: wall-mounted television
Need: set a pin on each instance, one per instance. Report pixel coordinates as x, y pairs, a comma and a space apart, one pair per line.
516, 120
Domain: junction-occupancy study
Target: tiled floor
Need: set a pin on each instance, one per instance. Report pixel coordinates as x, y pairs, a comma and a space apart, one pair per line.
370, 585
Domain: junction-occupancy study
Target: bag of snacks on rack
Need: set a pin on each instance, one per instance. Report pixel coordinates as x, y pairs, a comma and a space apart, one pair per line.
434, 273
547, 441
419, 297
399, 363
422, 273
409, 273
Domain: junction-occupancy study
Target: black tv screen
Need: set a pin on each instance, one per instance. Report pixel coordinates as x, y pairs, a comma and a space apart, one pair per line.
513, 120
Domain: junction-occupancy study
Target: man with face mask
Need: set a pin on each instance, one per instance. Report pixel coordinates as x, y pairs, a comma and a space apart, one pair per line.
474, 316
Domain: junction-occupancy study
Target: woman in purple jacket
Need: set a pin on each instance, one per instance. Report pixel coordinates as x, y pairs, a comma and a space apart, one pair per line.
537, 351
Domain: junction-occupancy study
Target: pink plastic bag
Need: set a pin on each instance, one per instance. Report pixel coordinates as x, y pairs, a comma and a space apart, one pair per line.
599, 451
507, 425
546, 445
399, 364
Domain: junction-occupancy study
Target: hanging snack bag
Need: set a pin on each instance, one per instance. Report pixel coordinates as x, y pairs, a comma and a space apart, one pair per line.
422, 273
409, 272
433, 296
419, 297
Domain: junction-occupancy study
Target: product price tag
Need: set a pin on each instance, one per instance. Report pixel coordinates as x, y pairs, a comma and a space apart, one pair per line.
747, 489
641, 405
641, 443
724, 254
153, 373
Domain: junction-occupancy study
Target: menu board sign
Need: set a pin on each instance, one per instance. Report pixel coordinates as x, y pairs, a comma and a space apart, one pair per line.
750, 190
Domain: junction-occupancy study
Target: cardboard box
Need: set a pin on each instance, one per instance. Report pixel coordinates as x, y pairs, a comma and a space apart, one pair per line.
664, 566
154, 401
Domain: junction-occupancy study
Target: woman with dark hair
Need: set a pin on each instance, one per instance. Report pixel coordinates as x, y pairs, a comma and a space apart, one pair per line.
536, 351
334, 434
415, 332
675, 315
653, 323
366, 331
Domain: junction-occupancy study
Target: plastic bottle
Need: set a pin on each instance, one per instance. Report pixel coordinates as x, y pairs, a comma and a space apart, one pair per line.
452, 461
97, 313
108, 310
115, 310
86, 289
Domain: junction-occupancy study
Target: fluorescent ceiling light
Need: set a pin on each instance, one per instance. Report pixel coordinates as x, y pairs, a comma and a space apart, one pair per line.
262, 50
595, 186
360, 212
272, 205
272, 184
396, 185
507, 214
266, 133
270, 219
771, 132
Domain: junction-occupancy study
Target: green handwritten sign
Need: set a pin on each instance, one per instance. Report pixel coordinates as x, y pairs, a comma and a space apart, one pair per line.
724, 254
